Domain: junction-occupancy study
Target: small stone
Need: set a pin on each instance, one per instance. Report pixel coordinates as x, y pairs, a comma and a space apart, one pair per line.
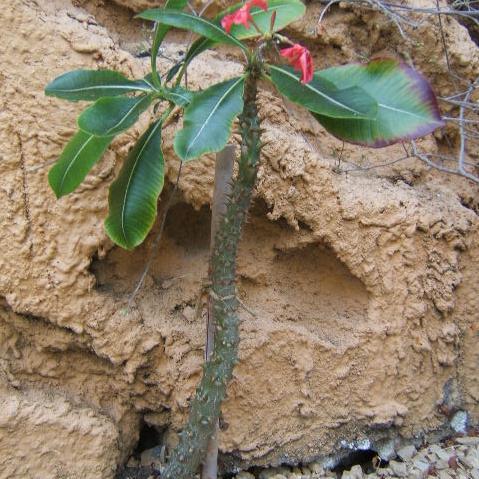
399, 468
444, 475
474, 473
415, 474
468, 441
278, 476
421, 464
460, 453
316, 468
441, 464
132, 462
244, 475
273, 472
356, 472
459, 421
407, 452
440, 452
306, 471
471, 460
452, 463
151, 457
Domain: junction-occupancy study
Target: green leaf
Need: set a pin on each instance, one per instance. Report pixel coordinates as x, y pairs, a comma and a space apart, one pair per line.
178, 95
322, 96
134, 194
208, 120
92, 85
76, 160
199, 25
160, 33
287, 11
111, 116
407, 106
173, 71
198, 46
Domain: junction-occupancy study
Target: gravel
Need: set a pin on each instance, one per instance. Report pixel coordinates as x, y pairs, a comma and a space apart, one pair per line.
455, 459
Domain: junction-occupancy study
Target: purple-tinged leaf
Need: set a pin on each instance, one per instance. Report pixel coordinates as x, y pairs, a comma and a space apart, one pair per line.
407, 106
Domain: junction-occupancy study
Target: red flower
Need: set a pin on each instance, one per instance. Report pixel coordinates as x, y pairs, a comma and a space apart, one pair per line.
300, 58
243, 15
263, 4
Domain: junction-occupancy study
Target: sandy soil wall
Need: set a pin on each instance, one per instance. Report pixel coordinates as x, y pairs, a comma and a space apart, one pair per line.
363, 285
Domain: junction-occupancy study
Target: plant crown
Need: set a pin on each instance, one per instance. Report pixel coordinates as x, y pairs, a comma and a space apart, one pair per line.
373, 104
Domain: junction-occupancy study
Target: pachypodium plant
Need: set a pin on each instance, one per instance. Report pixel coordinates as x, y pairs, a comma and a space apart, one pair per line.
374, 104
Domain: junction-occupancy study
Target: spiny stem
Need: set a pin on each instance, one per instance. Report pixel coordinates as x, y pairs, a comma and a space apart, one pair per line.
217, 371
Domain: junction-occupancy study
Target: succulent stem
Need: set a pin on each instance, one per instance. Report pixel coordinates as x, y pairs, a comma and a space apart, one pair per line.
217, 372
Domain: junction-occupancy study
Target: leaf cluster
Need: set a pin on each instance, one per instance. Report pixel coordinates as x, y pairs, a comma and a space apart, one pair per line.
373, 104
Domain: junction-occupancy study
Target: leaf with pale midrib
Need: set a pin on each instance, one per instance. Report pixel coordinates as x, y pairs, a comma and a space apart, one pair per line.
208, 119
322, 96
178, 19
407, 106
134, 194
111, 116
92, 85
160, 34
76, 160
178, 95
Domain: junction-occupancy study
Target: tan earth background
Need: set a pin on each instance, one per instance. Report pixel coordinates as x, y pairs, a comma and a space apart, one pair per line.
362, 283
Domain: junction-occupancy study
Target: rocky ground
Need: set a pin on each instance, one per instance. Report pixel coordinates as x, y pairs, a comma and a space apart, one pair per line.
456, 458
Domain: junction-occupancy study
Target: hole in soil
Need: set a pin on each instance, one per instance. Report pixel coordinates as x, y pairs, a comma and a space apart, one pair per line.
363, 458
188, 228
180, 261
149, 437
308, 288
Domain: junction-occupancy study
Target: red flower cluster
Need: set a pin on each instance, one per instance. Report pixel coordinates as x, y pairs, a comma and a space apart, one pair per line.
243, 15
300, 58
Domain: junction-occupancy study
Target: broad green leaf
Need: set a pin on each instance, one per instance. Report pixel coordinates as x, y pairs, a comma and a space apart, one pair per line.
287, 11
407, 107
160, 33
76, 160
134, 194
178, 95
322, 96
199, 25
111, 116
92, 85
208, 119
